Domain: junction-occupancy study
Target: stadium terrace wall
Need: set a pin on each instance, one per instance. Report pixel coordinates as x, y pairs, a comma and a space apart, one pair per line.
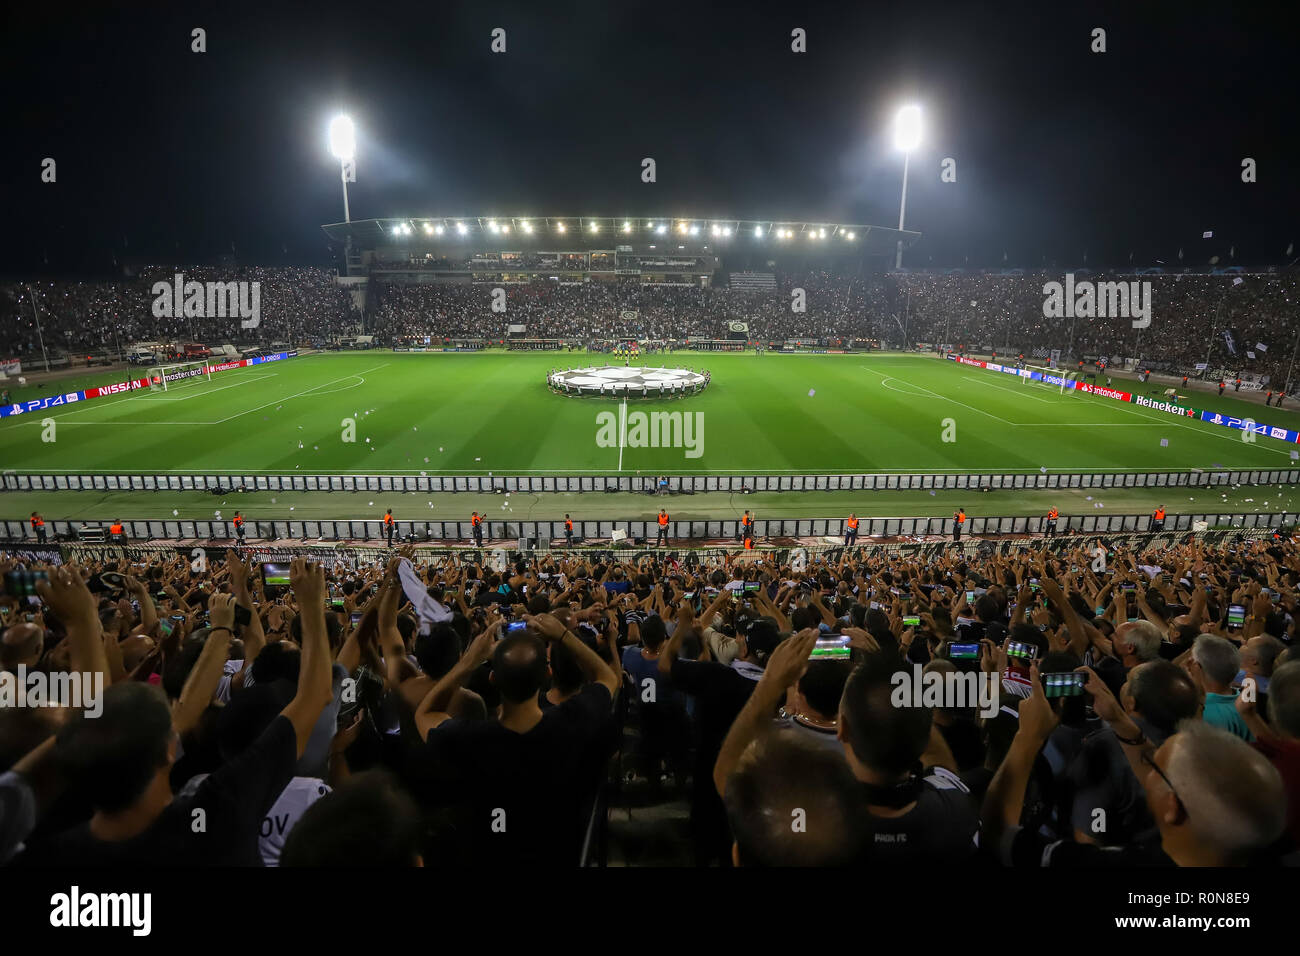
1171, 408
540, 534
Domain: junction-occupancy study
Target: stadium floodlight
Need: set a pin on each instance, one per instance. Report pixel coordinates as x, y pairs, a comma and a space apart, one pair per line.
851, 235
343, 146
526, 226
438, 229
695, 230
595, 227
726, 230
907, 136
506, 229
559, 227
758, 232
428, 229
627, 227
460, 227
661, 229
492, 224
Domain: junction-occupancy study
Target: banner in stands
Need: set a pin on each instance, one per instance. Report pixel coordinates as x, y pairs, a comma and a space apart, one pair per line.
1171, 408
10, 367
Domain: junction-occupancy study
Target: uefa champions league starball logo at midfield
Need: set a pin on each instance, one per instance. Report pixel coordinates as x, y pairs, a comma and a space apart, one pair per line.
628, 382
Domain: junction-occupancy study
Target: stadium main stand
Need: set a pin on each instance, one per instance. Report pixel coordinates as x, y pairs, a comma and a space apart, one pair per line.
1238, 323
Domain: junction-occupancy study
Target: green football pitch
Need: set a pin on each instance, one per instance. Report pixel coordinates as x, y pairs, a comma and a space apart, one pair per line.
475, 413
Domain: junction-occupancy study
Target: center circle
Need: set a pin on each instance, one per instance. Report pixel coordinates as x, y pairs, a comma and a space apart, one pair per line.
627, 381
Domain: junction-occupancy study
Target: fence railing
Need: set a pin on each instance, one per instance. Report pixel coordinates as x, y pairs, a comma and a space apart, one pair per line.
543, 534
219, 483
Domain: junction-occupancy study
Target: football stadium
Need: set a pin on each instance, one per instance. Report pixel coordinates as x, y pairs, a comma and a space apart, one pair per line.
717, 523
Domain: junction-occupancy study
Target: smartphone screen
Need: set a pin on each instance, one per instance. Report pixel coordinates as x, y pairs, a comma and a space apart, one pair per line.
275, 574
355, 618
970, 597
1017, 649
911, 620
963, 652
1236, 615
751, 585
1068, 684
832, 647
23, 583
514, 626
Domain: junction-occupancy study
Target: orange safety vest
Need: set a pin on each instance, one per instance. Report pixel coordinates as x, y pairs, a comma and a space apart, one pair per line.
388, 519
1053, 514
568, 524
749, 543
746, 521
663, 519
476, 520
1160, 514
115, 529
38, 522
961, 517
853, 523
238, 521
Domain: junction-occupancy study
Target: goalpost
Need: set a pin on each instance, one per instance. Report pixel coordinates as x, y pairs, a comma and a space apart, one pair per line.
1065, 377
165, 375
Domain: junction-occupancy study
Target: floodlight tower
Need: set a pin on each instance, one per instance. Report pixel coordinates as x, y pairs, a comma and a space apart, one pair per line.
343, 144
907, 136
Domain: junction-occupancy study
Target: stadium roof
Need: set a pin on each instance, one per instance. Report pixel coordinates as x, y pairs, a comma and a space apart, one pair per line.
606, 232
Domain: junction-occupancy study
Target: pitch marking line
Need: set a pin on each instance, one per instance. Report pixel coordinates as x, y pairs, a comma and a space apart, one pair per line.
885, 382
1022, 391
190, 390
307, 391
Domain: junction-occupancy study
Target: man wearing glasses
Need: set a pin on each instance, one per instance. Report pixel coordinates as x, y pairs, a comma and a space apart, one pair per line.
1215, 799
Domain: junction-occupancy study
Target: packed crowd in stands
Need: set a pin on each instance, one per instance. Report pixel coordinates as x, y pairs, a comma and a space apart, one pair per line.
1193, 316
439, 712
296, 304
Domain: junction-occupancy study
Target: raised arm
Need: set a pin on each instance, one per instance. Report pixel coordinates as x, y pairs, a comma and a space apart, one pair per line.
315, 689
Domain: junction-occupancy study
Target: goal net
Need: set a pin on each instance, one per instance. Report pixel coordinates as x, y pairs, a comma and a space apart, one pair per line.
168, 376
1042, 376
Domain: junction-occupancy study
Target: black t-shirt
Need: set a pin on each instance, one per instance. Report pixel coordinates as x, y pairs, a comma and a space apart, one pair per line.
721, 692
942, 827
523, 798
1022, 847
234, 799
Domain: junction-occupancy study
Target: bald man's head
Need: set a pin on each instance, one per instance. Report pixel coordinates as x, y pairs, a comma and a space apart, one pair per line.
135, 649
519, 668
21, 644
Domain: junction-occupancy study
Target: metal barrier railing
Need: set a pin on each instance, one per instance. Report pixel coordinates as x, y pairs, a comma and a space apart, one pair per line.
680, 484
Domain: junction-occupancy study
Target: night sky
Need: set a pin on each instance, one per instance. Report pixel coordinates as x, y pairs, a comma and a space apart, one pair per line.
170, 156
